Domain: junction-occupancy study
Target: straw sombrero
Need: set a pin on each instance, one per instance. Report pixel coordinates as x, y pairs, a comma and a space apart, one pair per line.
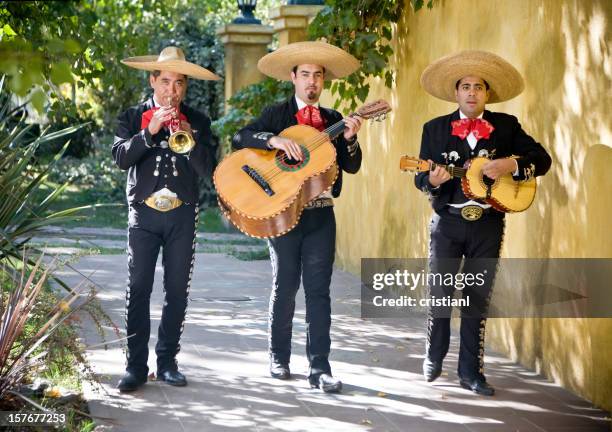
439, 78
337, 62
171, 59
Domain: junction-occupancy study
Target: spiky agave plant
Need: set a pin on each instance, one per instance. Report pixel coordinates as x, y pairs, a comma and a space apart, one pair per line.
19, 353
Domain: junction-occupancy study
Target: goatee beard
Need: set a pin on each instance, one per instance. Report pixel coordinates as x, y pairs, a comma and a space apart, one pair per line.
312, 96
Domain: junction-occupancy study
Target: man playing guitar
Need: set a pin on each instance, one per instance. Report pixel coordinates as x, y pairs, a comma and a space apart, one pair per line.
463, 227
307, 251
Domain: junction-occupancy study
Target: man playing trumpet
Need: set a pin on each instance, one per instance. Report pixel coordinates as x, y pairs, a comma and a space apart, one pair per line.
162, 193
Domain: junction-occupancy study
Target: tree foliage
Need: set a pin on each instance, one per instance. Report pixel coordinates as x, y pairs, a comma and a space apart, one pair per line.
363, 28
247, 104
22, 213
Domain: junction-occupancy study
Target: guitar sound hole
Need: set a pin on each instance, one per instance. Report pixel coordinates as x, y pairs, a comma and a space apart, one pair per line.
288, 164
287, 160
488, 181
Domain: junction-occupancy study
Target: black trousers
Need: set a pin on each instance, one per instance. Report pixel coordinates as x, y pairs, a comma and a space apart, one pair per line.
307, 253
455, 241
148, 230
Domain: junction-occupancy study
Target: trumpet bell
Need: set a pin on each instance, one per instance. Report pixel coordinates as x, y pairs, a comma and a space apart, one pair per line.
181, 142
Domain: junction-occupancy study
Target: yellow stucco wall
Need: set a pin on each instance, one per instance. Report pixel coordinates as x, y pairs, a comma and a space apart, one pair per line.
562, 48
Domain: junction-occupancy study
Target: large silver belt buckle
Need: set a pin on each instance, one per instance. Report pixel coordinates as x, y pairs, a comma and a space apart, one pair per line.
163, 203
319, 203
471, 212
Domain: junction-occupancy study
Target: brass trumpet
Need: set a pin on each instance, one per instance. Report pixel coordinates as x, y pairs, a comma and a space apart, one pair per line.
180, 141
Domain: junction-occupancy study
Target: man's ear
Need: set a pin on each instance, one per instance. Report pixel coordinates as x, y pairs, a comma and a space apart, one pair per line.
151, 80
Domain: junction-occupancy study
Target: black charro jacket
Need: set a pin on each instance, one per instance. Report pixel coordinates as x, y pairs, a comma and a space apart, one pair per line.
508, 139
136, 150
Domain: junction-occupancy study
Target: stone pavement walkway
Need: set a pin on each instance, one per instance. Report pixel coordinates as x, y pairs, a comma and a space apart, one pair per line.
224, 357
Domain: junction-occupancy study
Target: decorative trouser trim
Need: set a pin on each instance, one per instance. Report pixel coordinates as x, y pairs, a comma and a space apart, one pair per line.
306, 253
176, 291
451, 240
148, 231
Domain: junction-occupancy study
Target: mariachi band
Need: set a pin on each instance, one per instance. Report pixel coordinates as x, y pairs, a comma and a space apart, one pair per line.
281, 183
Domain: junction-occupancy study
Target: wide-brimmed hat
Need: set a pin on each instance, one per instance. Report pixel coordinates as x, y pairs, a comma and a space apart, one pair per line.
439, 78
171, 59
279, 64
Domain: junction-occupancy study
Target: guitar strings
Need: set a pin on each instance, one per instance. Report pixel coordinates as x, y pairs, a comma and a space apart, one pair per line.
311, 145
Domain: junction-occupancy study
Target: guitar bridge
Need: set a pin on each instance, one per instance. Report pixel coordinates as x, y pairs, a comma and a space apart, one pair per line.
257, 178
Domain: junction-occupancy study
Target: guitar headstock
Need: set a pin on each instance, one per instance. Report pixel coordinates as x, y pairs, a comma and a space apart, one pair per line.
374, 110
408, 163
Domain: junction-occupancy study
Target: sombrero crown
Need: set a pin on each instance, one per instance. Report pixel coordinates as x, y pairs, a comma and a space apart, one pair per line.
279, 64
440, 77
171, 59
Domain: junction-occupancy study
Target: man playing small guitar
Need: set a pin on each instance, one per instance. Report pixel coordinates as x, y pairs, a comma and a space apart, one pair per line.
462, 227
307, 251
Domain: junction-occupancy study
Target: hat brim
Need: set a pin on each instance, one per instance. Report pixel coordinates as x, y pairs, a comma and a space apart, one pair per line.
279, 64
505, 82
150, 63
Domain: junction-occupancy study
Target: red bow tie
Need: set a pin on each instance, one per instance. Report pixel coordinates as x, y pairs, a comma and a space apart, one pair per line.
480, 128
311, 116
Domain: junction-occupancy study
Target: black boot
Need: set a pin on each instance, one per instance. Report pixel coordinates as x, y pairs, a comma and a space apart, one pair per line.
172, 377
130, 382
431, 370
325, 382
279, 370
478, 386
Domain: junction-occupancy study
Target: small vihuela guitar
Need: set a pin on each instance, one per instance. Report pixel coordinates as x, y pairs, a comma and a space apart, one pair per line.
504, 194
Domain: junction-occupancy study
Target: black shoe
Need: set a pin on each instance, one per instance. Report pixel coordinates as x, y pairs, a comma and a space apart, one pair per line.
280, 371
326, 382
478, 386
130, 382
172, 377
431, 370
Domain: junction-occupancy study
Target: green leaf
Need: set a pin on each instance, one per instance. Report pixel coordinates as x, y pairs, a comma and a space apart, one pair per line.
417, 4
389, 79
8, 30
71, 46
55, 46
38, 99
386, 32
20, 84
61, 73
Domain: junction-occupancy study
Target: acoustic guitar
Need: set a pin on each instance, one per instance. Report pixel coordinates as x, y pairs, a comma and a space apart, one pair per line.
504, 194
263, 192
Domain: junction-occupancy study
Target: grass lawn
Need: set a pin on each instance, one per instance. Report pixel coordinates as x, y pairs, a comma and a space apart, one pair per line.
109, 214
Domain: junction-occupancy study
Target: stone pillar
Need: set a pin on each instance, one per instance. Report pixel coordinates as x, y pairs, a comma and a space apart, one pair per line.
244, 45
291, 22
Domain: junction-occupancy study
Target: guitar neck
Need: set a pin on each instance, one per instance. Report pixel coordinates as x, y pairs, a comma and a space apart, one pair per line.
334, 130
452, 170
337, 128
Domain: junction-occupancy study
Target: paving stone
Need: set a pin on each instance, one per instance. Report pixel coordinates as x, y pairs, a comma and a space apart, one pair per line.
224, 356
